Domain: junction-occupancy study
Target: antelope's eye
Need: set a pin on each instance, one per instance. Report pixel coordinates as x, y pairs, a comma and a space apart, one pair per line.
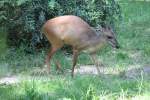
109, 37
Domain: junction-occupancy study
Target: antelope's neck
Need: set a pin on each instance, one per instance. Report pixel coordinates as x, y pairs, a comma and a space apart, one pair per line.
95, 44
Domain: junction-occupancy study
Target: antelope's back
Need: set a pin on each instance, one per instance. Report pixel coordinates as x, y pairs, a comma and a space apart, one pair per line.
69, 29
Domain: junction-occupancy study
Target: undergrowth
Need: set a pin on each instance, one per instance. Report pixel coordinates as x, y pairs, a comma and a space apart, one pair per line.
133, 36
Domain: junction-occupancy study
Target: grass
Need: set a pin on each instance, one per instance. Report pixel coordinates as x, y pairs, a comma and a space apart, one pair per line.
134, 38
80, 88
2, 41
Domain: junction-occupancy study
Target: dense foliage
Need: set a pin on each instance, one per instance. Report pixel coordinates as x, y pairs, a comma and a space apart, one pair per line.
24, 18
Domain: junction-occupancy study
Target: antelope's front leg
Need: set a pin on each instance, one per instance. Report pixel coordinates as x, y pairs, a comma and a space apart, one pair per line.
96, 62
58, 67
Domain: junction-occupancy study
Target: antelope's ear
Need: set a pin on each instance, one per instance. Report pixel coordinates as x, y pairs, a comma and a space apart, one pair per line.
103, 29
109, 27
106, 27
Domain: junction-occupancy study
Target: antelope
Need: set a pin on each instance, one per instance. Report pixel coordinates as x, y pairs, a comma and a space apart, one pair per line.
74, 31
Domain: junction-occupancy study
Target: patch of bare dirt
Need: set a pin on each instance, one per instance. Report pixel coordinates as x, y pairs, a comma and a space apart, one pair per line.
132, 73
136, 73
91, 69
9, 80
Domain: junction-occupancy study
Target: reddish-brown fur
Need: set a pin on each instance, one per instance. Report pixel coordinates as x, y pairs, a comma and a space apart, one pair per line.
73, 31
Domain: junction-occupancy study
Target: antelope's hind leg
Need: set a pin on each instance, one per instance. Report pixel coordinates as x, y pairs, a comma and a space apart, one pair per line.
75, 57
49, 56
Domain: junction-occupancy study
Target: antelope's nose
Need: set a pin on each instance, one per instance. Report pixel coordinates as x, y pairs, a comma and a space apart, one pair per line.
117, 46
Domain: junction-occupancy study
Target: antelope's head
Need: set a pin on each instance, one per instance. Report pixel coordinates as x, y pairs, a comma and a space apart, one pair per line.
110, 36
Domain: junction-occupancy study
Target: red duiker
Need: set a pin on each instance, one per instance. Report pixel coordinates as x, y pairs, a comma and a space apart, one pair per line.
74, 31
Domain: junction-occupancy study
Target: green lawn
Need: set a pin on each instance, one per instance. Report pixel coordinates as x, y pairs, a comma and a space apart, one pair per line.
133, 34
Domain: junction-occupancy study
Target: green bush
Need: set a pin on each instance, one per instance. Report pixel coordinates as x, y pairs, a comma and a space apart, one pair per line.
24, 18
